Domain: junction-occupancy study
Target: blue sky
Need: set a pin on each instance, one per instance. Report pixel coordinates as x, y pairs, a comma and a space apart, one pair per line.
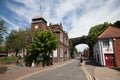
77, 16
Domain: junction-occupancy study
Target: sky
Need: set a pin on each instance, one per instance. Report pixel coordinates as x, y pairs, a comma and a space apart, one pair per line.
76, 16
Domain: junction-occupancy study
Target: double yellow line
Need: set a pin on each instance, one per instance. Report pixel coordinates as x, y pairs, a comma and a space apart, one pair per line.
89, 77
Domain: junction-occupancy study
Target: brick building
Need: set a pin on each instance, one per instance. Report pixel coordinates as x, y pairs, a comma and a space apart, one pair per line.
107, 48
62, 52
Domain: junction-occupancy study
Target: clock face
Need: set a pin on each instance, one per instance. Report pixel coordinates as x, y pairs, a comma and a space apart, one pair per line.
36, 26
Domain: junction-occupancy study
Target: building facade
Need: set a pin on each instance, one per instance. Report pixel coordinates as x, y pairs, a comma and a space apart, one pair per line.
62, 51
103, 52
107, 48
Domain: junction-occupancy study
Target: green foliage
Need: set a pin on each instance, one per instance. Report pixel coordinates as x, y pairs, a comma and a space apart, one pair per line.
8, 59
117, 24
44, 42
2, 31
2, 49
93, 34
75, 51
71, 48
18, 40
95, 31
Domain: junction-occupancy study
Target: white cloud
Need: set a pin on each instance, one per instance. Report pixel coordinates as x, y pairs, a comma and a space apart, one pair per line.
66, 7
24, 12
13, 26
78, 15
93, 17
31, 4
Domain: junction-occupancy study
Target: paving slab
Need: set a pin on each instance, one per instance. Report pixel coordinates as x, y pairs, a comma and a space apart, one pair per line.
102, 73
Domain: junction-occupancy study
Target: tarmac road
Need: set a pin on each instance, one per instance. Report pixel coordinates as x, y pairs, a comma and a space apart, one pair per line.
71, 71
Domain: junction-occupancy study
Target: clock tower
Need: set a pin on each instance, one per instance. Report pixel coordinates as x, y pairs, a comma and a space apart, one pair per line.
38, 22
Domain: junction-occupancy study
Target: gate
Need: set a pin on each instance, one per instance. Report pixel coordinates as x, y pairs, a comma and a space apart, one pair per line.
109, 60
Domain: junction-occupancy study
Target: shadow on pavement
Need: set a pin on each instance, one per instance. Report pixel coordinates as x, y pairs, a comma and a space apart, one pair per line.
91, 62
115, 68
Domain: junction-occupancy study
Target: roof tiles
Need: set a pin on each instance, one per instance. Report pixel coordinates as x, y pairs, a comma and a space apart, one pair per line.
110, 32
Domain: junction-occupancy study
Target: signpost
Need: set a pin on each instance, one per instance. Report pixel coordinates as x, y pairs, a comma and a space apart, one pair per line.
40, 58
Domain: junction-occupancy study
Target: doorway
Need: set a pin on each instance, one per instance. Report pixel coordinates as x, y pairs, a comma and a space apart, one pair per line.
109, 60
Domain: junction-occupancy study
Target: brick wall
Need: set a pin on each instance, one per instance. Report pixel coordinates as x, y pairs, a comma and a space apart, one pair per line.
117, 52
40, 26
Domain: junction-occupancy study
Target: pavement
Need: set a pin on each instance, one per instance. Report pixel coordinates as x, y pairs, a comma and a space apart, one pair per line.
16, 73
98, 72
92, 70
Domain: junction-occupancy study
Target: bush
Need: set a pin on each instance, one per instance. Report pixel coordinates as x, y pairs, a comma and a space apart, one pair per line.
7, 60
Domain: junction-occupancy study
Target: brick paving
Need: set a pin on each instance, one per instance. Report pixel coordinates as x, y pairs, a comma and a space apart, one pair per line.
18, 73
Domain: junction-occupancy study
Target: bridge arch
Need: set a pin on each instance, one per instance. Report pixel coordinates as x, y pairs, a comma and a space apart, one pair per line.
80, 40
77, 41
81, 47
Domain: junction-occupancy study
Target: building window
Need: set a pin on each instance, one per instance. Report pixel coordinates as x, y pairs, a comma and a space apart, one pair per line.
61, 37
106, 43
61, 52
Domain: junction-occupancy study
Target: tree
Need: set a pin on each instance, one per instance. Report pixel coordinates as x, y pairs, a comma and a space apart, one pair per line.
28, 36
3, 30
12, 42
16, 40
75, 51
3, 49
116, 24
95, 31
71, 48
93, 34
44, 42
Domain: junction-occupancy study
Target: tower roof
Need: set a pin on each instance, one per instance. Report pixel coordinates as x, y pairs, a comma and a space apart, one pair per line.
39, 18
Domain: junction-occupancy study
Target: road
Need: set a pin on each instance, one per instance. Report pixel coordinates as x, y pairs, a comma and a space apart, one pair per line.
71, 71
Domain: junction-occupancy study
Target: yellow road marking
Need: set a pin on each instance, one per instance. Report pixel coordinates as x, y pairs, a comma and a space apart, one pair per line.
89, 77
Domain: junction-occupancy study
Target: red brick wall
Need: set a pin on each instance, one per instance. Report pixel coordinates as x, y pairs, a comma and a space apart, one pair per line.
117, 51
41, 26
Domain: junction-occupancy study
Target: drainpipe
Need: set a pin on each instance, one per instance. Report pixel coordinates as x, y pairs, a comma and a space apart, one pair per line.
114, 50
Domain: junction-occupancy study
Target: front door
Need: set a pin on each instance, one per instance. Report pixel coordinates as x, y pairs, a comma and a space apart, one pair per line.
109, 60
